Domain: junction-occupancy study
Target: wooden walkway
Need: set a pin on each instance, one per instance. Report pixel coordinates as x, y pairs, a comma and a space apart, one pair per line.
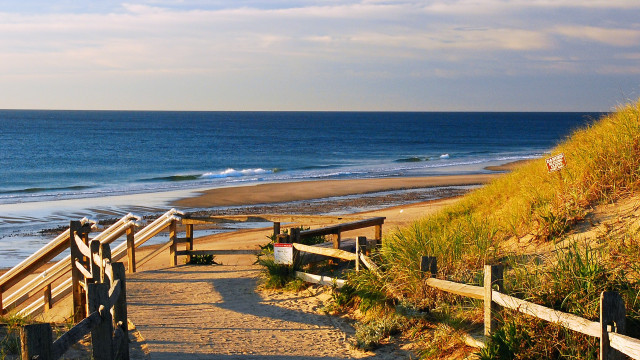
214, 312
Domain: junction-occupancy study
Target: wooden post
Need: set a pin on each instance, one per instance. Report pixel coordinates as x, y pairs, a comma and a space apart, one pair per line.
276, 228
47, 298
78, 294
173, 258
429, 264
120, 309
493, 275
105, 254
378, 234
361, 246
96, 269
101, 334
189, 237
282, 238
131, 249
612, 319
36, 341
294, 235
336, 240
2, 312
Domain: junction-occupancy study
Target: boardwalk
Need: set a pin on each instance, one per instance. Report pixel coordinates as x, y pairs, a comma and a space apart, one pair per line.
214, 312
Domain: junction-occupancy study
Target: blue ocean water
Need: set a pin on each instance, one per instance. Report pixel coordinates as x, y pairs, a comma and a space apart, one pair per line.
61, 165
74, 154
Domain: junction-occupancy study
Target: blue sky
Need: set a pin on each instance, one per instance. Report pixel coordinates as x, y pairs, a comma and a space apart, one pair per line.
467, 55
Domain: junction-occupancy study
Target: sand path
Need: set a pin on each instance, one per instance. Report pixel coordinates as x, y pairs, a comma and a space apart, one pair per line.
215, 312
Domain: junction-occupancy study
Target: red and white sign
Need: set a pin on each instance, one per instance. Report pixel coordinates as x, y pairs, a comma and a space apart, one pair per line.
556, 163
283, 253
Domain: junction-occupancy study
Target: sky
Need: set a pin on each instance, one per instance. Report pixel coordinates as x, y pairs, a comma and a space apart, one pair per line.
333, 55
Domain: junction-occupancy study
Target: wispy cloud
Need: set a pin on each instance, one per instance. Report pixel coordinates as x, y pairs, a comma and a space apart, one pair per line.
261, 40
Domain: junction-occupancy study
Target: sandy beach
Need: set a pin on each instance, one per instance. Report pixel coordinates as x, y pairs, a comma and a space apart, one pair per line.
306, 190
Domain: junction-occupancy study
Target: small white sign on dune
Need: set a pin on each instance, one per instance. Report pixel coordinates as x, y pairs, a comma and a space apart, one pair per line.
283, 253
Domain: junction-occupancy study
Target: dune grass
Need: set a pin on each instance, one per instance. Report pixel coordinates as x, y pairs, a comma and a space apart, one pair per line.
603, 165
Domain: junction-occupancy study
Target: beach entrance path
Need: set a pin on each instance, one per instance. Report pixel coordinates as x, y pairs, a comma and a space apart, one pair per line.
215, 312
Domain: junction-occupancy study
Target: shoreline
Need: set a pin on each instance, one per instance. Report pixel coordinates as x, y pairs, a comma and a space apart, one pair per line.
274, 193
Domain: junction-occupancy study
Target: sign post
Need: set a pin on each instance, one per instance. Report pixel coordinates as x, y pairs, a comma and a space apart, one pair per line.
283, 253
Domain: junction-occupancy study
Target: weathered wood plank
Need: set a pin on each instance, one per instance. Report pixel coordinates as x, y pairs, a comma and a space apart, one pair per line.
35, 341
82, 247
321, 280
370, 264
336, 253
35, 261
86, 273
569, 321
114, 292
493, 276
77, 332
216, 252
612, 319
336, 229
474, 292
120, 312
625, 344
101, 335
267, 218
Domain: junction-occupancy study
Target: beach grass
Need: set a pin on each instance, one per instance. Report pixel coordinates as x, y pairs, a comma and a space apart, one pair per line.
539, 208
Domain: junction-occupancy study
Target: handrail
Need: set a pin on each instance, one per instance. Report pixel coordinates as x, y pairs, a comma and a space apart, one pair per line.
63, 266
37, 259
147, 233
336, 229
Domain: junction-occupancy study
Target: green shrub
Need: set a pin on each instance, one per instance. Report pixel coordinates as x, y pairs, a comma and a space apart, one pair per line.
206, 259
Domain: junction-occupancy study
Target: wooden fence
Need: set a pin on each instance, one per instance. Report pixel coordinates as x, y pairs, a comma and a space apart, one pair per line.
610, 329
40, 293
99, 289
362, 250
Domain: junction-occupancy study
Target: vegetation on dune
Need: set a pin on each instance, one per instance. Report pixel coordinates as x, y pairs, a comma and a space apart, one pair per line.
532, 206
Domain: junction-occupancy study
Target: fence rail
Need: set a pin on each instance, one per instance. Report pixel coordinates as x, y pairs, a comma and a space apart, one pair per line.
105, 286
609, 329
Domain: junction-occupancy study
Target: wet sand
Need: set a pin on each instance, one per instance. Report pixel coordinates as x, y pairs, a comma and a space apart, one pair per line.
307, 190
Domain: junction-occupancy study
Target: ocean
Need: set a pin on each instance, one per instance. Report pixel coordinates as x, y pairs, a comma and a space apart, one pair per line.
63, 165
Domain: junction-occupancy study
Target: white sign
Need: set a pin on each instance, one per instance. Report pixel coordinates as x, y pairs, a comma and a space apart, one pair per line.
283, 253
556, 163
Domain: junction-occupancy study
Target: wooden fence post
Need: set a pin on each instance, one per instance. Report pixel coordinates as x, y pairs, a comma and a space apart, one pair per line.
47, 298
173, 258
120, 309
378, 234
78, 293
429, 264
361, 245
336, 240
96, 269
189, 237
36, 341
105, 254
276, 228
493, 275
294, 235
101, 334
612, 319
131, 249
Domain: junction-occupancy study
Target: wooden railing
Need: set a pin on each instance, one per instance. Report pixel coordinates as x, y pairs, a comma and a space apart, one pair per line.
362, 250
106, 293
42, 284
335, 231
609, 329
39, 294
